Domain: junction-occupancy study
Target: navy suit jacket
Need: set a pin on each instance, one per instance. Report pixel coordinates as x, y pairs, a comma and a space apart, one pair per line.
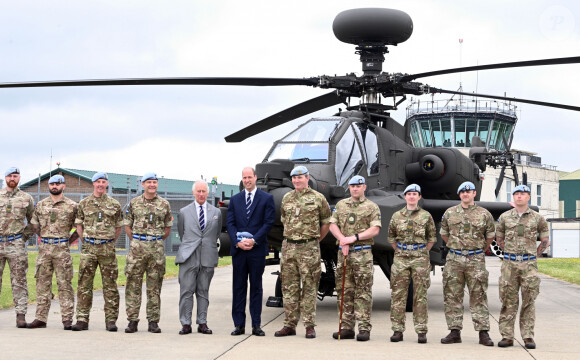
258, 222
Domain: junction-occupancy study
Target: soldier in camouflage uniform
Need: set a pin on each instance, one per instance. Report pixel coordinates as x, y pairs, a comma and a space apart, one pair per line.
148, 222
99, 221
412, 234
305, 215
16, 206
516, 234
468, 230
53, 220
354, 223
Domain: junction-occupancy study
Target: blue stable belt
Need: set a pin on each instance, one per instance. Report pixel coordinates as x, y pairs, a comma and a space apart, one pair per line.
465, 252
411, 246
10, 237
53, 241
146, 237
518, 257
357, 248
98, 241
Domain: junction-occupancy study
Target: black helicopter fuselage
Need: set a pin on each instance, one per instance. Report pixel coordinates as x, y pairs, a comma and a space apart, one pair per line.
355, 143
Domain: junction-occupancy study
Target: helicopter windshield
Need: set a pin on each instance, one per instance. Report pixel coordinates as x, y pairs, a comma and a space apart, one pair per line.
308, 143
349, 158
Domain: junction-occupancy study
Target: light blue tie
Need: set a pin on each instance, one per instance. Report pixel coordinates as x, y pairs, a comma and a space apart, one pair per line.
201, 218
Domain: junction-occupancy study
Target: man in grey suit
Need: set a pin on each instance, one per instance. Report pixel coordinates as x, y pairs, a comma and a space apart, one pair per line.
199, 225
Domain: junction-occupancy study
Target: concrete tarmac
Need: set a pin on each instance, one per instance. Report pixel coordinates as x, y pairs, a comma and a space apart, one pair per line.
557, 325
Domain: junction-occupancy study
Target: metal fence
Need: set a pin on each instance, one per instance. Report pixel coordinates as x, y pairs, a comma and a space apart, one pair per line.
177, 201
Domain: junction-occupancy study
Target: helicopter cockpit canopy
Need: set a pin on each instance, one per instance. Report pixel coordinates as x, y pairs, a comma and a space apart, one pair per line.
311, 143
356, 149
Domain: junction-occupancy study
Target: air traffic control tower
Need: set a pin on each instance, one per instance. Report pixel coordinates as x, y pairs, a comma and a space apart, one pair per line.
454, 122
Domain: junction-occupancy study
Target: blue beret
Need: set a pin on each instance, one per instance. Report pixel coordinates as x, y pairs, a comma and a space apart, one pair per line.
12, 170
149, 176
100, 175
466, 186
521, 188
299, 170
357, 180
56, 179
412, 187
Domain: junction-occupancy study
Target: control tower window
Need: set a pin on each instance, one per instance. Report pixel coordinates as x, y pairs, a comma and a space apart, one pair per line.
460, 132
499, 130
437, 134
349, 160
483, 130
446, 131
470, 128
426, 133
370, 146
415, 135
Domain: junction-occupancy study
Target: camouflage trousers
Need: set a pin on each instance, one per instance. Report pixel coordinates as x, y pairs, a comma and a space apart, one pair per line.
14, 252
104, 257
358, 284
516, 275
460, 271
54, 259
300, 275
145, 257
402, 271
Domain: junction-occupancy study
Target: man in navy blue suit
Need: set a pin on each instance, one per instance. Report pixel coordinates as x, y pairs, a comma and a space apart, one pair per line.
251, 214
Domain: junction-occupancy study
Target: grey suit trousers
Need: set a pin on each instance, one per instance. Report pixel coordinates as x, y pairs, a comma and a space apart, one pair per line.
194, 278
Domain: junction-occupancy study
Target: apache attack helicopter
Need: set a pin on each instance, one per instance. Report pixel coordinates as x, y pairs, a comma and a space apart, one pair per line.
360, 139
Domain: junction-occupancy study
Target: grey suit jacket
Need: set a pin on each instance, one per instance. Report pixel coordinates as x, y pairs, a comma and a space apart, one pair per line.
191, 236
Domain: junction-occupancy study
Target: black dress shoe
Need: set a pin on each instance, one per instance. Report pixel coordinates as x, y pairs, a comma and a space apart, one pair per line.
257, 331
186, 329
202, 328
239, 330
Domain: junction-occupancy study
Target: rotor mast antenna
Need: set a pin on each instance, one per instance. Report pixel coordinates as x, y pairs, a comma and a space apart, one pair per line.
460, 65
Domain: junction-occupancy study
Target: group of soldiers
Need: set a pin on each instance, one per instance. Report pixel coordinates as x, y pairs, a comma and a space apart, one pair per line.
98, 220
467, 229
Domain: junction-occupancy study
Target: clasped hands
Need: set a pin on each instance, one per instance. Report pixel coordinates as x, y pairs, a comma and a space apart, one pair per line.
246, 244
345, 241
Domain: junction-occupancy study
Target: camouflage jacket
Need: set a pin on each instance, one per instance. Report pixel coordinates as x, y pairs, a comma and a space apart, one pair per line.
520, 233
467, 228
412, 227
354, 217
148, 217
56, 219
99, 216
302, 213
15, 207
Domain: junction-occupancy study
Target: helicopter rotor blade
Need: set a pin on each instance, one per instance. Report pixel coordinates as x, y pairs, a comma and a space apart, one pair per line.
525, 101
542, 62
240, 81
296, 111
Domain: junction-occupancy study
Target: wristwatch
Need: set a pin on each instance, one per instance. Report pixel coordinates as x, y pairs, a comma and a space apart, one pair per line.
356, 236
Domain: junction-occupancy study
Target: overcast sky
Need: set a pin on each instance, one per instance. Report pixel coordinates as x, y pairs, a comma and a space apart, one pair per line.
178, 131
